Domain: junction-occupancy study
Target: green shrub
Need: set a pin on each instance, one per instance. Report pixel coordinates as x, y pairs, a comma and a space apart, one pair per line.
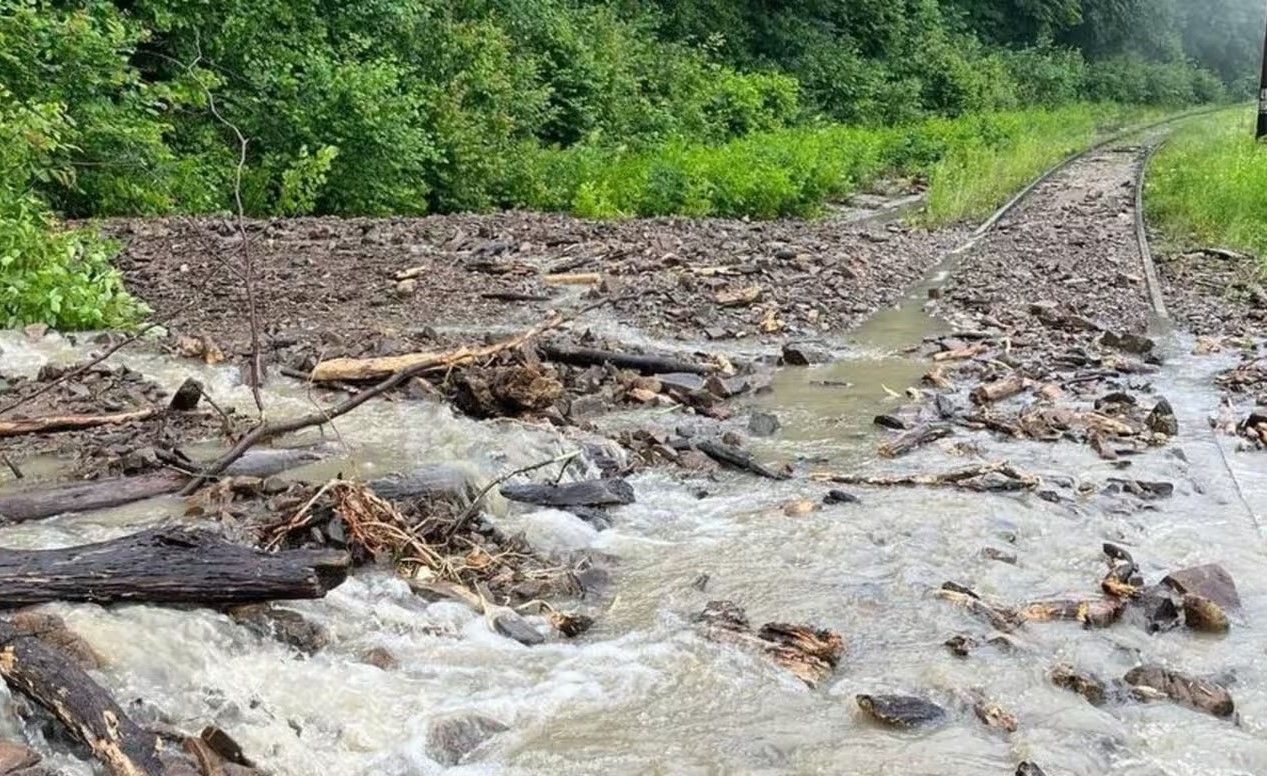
48, 274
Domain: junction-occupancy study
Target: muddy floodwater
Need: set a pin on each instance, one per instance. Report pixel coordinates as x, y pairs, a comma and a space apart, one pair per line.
643, 692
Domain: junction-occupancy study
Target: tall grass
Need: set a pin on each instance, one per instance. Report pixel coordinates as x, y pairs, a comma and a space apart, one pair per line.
1208, 185
972, 163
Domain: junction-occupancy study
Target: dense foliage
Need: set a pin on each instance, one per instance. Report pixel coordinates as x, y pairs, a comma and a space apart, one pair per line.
413, 106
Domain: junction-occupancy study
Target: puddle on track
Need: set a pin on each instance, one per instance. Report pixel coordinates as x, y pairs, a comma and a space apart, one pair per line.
643, 693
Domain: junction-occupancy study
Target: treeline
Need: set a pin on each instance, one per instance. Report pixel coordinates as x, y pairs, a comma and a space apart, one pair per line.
412, 106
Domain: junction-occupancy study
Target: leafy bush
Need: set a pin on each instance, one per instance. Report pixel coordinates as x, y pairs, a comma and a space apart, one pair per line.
48, 274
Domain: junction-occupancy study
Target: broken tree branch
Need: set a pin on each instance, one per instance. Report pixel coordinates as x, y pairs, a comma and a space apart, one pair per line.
54, 423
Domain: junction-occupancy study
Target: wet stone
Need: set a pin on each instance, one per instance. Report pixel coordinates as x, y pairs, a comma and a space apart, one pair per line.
1198, 694
1002, 556
905, 711
1028, 768
802, 354
840, 497
285, 625
1202, 614
1127, 342
763, 424
1089, 687
379, 657
1162, 419
1209, 581
451, 739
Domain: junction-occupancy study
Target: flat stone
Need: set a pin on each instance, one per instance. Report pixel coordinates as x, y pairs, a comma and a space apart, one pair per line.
450, 739
1208, 581
901, 710
840, 497
1194, 693
1127, 342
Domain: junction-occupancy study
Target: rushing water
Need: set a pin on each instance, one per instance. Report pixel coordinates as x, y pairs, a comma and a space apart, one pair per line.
643, 692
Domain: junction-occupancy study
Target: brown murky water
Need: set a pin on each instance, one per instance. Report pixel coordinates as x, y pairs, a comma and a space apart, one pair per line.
643, 693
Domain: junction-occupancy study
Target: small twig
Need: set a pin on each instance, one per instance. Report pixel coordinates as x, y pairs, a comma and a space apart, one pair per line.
13, 467
471, 508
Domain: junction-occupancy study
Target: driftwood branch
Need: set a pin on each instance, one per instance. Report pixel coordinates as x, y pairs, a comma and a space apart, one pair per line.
54, 423
639, 363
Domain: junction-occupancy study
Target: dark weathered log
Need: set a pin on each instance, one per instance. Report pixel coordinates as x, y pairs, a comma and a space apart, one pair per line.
589, 493
647, 365
917, 437
34, 504
167, 565
54, 423
740, 459
56, 683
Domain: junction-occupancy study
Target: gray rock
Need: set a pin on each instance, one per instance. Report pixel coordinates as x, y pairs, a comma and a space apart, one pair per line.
450, 739
1162, 419
763, 424
802, 354
1127, 342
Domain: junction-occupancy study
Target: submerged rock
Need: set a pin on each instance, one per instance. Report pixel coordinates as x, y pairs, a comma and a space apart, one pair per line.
901, 710
763, 424
452, 738
1198, 694
840, 497
1086, 685
285, 625
1028, 768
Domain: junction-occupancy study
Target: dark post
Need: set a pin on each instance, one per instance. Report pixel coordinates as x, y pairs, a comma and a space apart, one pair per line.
1262, 97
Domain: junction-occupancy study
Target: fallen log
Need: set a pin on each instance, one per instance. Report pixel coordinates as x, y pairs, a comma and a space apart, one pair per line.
998, 390
917, 437
54, 682
167, 565
740, 459
647, 365
51, 424
410, 364
608, 491
35, 504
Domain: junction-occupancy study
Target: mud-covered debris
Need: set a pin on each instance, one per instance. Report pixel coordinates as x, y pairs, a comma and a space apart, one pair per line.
608, 491
1085, 684
1199, 694
452, 738
199, 346
1209, 581
1202, 614
994, 715
905, 711
809, 653
506, 391
998, 390
569, 624
1093, 612
999, 617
